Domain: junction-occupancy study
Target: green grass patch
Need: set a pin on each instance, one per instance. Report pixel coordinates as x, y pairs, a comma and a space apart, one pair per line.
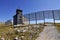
58, 27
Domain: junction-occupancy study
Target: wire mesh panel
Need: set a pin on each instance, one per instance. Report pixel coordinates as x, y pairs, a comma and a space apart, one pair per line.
56, 14
32, 18
26, 19
48, 16
59, 14
40, 17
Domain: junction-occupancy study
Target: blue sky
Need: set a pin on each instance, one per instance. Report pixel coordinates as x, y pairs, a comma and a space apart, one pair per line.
8, 7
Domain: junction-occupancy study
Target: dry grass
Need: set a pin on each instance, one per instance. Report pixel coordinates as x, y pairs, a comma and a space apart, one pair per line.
8, 32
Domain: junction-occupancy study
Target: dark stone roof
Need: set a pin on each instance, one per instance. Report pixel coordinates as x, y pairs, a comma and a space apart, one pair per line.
19, 10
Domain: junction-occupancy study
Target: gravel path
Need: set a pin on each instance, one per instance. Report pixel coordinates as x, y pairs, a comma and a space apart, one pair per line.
49, 33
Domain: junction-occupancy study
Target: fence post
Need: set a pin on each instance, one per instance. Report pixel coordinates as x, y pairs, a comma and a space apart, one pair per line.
44, 17
53, 16
36, 18
29, 19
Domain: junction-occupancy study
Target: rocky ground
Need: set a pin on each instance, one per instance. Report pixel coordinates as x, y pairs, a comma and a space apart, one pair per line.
49, 33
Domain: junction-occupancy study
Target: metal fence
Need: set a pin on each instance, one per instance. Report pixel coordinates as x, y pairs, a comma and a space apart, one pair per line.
42, 17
